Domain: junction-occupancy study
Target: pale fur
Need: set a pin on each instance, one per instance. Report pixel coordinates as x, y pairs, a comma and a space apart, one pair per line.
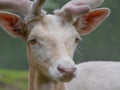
99, 75
55, 42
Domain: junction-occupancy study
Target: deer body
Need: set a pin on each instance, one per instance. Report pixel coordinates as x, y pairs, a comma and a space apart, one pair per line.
96, 75
52, 39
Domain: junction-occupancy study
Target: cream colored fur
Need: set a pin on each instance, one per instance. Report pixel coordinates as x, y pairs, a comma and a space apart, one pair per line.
51, 42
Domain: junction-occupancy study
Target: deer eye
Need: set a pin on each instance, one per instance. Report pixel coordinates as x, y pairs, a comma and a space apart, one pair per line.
77, 40
33, 41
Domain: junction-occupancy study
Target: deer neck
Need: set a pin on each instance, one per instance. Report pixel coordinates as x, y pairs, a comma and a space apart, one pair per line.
37, 81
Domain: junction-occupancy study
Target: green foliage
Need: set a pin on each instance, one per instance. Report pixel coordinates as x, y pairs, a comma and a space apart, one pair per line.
13, 80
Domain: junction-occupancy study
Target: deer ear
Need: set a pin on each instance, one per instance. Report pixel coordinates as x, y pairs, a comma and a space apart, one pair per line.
88, 22
12, 24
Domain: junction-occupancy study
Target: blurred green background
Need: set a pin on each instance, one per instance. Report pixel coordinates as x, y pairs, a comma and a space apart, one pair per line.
102, 44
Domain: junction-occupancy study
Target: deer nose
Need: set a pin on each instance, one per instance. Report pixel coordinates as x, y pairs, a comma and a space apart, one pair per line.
67, 72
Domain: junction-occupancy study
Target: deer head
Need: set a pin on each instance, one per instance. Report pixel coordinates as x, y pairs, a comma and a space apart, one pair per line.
51, 39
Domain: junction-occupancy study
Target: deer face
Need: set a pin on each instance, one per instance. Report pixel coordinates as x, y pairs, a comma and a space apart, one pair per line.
52, 39
51, 46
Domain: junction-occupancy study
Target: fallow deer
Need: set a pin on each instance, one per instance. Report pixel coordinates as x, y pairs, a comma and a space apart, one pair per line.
51, 42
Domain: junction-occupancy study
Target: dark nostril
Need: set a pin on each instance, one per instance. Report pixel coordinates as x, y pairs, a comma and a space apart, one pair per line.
61, 69
66, 70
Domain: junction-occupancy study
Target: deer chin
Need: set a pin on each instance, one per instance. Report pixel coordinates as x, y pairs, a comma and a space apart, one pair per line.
63, 79
67, 78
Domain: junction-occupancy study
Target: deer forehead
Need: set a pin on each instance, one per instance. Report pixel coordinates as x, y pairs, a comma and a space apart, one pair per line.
53, 27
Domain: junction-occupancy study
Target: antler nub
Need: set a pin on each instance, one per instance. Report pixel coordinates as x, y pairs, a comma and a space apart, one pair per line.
21, 6
91, 3
36, 7
78, 7
74, 10
25, 7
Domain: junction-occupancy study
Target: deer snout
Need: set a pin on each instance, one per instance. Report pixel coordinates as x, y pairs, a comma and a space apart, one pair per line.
67, 72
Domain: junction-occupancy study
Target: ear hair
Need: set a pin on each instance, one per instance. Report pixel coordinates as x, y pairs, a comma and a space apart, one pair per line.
88, 22
13, 24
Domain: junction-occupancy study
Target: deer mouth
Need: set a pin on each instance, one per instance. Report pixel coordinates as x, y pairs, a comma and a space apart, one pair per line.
67, 78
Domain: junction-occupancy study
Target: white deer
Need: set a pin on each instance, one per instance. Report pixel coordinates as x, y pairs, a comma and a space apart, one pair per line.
51, 42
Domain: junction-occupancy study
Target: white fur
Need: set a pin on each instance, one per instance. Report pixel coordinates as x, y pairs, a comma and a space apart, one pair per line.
55, 42
99, 75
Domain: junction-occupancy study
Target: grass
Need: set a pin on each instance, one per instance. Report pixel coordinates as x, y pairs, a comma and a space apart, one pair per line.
13, 80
